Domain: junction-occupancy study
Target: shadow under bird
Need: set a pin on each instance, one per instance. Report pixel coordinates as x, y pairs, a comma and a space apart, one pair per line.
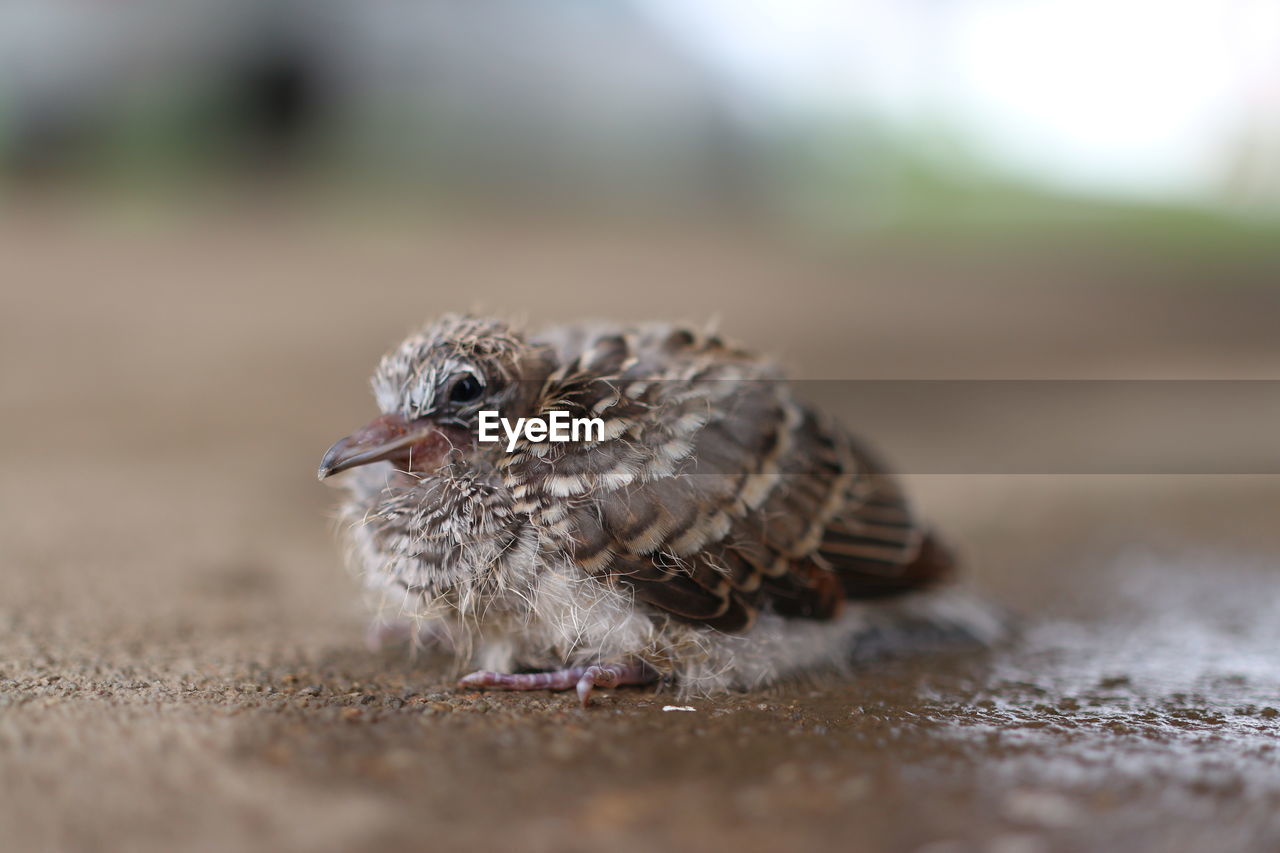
716, 533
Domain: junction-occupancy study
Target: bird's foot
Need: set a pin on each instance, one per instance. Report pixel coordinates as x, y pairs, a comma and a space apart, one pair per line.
582, 678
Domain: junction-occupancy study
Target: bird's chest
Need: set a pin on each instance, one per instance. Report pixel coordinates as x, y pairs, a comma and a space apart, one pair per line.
446, 537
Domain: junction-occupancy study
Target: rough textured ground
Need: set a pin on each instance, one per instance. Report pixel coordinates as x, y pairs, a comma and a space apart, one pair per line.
181, 655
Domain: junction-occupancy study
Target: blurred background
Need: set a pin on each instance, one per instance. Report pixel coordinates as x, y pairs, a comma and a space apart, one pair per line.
215, 215
866, 114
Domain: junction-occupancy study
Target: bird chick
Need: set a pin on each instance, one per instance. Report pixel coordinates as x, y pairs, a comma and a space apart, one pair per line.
714, 532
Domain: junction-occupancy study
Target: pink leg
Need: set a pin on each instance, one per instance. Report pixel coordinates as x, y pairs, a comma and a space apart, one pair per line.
584, 678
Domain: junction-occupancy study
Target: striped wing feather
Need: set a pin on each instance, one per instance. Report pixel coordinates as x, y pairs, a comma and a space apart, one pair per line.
715, 495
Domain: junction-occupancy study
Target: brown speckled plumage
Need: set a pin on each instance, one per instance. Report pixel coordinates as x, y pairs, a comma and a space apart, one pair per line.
722, 534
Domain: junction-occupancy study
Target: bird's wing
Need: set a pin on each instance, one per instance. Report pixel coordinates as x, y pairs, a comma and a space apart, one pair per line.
714, 494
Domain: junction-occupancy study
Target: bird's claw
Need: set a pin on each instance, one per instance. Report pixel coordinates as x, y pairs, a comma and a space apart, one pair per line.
583, 679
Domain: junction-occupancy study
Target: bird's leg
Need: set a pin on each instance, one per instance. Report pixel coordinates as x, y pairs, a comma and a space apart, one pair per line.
583, 678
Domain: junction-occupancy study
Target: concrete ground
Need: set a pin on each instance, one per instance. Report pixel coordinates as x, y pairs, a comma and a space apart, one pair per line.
181, 656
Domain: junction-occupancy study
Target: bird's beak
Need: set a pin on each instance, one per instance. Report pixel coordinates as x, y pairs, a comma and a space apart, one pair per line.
390, 438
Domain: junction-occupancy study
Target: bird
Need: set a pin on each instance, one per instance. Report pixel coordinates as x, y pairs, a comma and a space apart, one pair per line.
716, 533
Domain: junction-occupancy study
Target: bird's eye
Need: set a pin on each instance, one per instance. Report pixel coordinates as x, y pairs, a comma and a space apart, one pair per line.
465, 390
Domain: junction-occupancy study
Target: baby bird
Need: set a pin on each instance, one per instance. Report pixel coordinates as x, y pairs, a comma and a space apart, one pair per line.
713, 531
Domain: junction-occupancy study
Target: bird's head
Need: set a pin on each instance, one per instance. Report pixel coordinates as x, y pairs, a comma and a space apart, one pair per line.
431, 389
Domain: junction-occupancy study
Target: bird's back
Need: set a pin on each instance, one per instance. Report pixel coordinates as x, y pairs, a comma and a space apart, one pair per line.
715, 494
